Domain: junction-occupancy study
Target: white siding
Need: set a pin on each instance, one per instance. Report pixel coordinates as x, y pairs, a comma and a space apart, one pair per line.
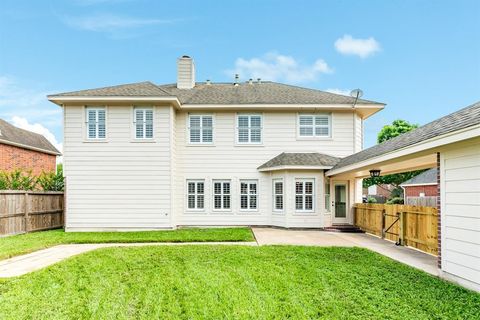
460, 185
120, 183
227, 160
358, 133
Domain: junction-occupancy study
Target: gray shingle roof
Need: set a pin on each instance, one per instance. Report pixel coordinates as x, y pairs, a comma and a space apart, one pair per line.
429, 176
224, 93
461, 119
12, 134
124, 90
265, 92
300, 159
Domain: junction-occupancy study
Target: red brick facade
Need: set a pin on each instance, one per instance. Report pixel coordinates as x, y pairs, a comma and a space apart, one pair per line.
414, 191
12, 158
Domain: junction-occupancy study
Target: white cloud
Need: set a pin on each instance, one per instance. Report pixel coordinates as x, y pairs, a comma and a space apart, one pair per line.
274, 66
37, 128
344, 92
110, 22
359, 47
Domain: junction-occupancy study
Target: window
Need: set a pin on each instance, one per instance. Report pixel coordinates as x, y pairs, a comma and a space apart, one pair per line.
327, 196
314, 125
277, 195
248, 194
96, 127
221, 195
249, 129
304, 195
195, 194
143, 119
201, 128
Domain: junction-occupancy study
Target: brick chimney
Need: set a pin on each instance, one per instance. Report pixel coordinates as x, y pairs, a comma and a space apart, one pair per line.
185, 73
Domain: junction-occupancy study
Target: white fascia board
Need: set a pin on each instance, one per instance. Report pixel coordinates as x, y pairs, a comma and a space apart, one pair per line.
24, 146
276, 168
62, 99
451, 137
282, 106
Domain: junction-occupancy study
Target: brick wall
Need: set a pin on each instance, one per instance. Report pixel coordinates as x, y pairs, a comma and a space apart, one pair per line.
12, 158
414, 191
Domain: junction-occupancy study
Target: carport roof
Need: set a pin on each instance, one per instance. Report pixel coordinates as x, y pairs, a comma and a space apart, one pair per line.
458, 120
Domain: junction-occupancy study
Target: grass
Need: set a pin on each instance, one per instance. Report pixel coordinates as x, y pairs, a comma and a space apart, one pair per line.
25, 243
233, 282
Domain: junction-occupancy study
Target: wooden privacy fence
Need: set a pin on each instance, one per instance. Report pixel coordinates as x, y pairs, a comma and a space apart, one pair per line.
411, 226
22, 211
421, 201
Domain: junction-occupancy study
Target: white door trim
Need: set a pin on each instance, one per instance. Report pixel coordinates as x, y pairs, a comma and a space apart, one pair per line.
336, 220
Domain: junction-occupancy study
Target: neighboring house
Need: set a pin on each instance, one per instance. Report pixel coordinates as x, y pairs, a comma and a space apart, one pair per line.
452, 145
146, 156
380, 192
25, 150
421, 189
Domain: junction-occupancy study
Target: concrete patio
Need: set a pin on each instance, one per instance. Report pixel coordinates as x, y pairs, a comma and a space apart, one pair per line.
411, 257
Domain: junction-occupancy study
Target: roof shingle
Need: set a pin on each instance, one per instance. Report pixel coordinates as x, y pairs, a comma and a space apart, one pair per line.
300, 159
429, 176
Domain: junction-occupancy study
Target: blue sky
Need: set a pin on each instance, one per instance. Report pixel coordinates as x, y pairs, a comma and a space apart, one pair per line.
422, 58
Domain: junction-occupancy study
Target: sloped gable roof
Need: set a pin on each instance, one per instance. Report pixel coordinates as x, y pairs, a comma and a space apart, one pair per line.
299, 159
10, 134
139, 89
458, 120
427, 177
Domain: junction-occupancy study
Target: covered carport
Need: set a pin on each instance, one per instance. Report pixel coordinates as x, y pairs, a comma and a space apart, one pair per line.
452, 144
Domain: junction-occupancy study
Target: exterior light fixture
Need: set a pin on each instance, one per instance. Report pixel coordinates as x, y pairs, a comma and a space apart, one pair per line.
374, 173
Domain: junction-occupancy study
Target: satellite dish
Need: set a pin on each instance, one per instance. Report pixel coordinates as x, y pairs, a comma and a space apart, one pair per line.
356, 93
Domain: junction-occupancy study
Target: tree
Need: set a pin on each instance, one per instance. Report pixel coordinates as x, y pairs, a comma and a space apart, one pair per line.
395, 129
388, 132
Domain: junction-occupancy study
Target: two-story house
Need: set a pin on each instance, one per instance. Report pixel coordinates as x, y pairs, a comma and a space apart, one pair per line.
147, 156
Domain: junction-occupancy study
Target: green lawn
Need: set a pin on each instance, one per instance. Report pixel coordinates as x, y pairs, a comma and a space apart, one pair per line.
25, 243
233, 282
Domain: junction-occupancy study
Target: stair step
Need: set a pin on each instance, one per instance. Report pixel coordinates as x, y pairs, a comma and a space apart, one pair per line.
343, 228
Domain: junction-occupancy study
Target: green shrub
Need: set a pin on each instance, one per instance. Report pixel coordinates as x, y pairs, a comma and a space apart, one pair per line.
17, 180
371, 200
51, 181
396, 200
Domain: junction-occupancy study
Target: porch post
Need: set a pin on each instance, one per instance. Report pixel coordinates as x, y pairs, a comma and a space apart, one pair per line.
439, 217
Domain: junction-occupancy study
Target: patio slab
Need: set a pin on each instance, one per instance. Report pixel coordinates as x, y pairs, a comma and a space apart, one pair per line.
411, 257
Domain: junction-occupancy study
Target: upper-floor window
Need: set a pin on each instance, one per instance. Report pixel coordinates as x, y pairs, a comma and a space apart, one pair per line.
248, 194
249, 129
200, 128
314, 125
96, 122
143, 119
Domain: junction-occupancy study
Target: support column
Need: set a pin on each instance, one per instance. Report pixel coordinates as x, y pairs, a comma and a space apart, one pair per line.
439, 217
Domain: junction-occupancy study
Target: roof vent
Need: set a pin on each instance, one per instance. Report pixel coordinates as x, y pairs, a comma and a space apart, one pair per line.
236, 80
250, 81
259, 80
208, 82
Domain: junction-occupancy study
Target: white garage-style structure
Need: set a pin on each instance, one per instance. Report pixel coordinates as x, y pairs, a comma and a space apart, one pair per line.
452, 144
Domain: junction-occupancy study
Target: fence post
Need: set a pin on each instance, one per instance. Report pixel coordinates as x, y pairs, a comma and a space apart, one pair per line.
27, 211
383, 223
401, 232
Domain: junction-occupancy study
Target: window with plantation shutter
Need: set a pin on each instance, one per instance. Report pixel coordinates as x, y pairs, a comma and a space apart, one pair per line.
200, 128
304, 195
277, 195
143, 121
248, 195
195, 194
96, 123
221, 195
318, 125
249, 129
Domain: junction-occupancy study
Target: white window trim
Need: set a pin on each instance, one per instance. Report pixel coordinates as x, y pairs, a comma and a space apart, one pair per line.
85, 124
201, 115
222, 194
312, 180
134, 129
274, 196
196, 194
327, 181
314, 137
248, 181
249, 143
